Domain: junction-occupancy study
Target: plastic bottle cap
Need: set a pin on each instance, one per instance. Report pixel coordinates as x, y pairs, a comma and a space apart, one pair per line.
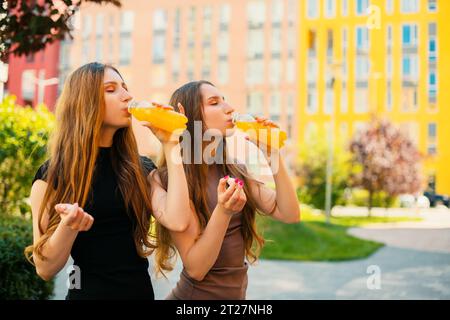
242, 117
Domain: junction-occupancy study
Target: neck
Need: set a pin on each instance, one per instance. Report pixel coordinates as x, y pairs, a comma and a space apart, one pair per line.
106, 136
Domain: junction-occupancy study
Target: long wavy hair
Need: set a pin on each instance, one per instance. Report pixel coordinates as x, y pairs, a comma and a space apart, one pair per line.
73, 150
189, 95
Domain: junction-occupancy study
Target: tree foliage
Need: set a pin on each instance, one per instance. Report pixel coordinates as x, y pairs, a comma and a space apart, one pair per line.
27, 26
389, 160
311, 170
24, 134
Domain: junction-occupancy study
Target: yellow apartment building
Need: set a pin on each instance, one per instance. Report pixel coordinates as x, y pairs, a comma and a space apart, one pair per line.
383, 57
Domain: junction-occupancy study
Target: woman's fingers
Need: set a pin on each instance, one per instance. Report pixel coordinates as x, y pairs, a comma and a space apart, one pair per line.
222, 187
229, 192
181, 108
74, 217
164, 106
86, 223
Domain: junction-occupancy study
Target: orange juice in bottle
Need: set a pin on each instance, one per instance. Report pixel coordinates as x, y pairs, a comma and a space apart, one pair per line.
268, 135
167, 120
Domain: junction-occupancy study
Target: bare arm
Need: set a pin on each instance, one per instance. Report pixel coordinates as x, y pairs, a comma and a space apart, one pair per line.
171, 208
282, 203
57, 248
200, 253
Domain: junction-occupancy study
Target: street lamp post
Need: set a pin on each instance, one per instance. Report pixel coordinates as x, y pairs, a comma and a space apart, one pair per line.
335, 67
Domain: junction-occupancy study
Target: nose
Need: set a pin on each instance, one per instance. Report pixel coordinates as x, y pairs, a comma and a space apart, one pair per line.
228, 108
126, 96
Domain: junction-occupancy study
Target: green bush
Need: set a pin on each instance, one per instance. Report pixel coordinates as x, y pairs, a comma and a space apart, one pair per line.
360, 197
311, 169
24, 134
18, 278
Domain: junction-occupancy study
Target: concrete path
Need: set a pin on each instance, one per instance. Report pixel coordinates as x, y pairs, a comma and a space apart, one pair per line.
415, 264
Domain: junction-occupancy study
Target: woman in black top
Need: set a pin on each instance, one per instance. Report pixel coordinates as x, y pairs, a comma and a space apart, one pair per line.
93, 199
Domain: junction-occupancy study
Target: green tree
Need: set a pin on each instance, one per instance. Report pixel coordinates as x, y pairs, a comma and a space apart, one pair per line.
27, 26
311, 169
24, 133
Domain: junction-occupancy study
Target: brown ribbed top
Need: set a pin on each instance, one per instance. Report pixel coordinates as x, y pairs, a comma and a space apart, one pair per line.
227, 279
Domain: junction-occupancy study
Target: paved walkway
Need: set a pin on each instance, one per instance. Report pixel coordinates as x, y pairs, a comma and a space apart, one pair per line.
415, 264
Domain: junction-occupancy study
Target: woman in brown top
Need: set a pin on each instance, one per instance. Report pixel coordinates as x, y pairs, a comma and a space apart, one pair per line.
222, 230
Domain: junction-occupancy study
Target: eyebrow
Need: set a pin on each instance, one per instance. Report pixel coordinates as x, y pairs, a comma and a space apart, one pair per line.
114, 82
216, 97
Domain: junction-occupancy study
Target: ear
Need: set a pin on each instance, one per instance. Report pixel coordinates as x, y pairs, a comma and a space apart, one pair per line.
181, 108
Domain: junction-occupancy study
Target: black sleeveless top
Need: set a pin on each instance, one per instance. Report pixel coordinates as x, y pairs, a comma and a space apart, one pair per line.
105, 257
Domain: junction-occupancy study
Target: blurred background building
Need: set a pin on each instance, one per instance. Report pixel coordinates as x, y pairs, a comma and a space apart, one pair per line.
303, 63
383, 57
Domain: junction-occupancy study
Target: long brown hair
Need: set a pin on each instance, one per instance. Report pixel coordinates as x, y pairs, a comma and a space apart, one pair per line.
73, 151
189, 95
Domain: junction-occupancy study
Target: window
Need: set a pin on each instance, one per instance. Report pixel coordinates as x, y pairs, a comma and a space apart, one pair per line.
159, 36
330, 8
409, 6
276, 41
409, 99
86, 27
255, 71
389, 36
409, 35
361, 100
312, 70
126, 44
312, 43
362, 68
290, 70
389, 6
329, 100
290, 111
312, 9
311, 103
275, 107
255, 103
344, 8
291, 12
177, 28
256, 13
330, 43
361, 7
175, 65
362, 39
28, 84
99, 26
410, 66
222, 72
224, 16
389, 66
275, 71
432, 85
389, 96
277, 12
432, 138
344, 98
344, 52
432, 5
432, 42
255, 47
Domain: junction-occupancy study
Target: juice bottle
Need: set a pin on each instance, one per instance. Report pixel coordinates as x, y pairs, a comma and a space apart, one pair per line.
167, 120
268, 135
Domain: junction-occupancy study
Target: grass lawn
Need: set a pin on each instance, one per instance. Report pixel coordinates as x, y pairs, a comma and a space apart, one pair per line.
315, 240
